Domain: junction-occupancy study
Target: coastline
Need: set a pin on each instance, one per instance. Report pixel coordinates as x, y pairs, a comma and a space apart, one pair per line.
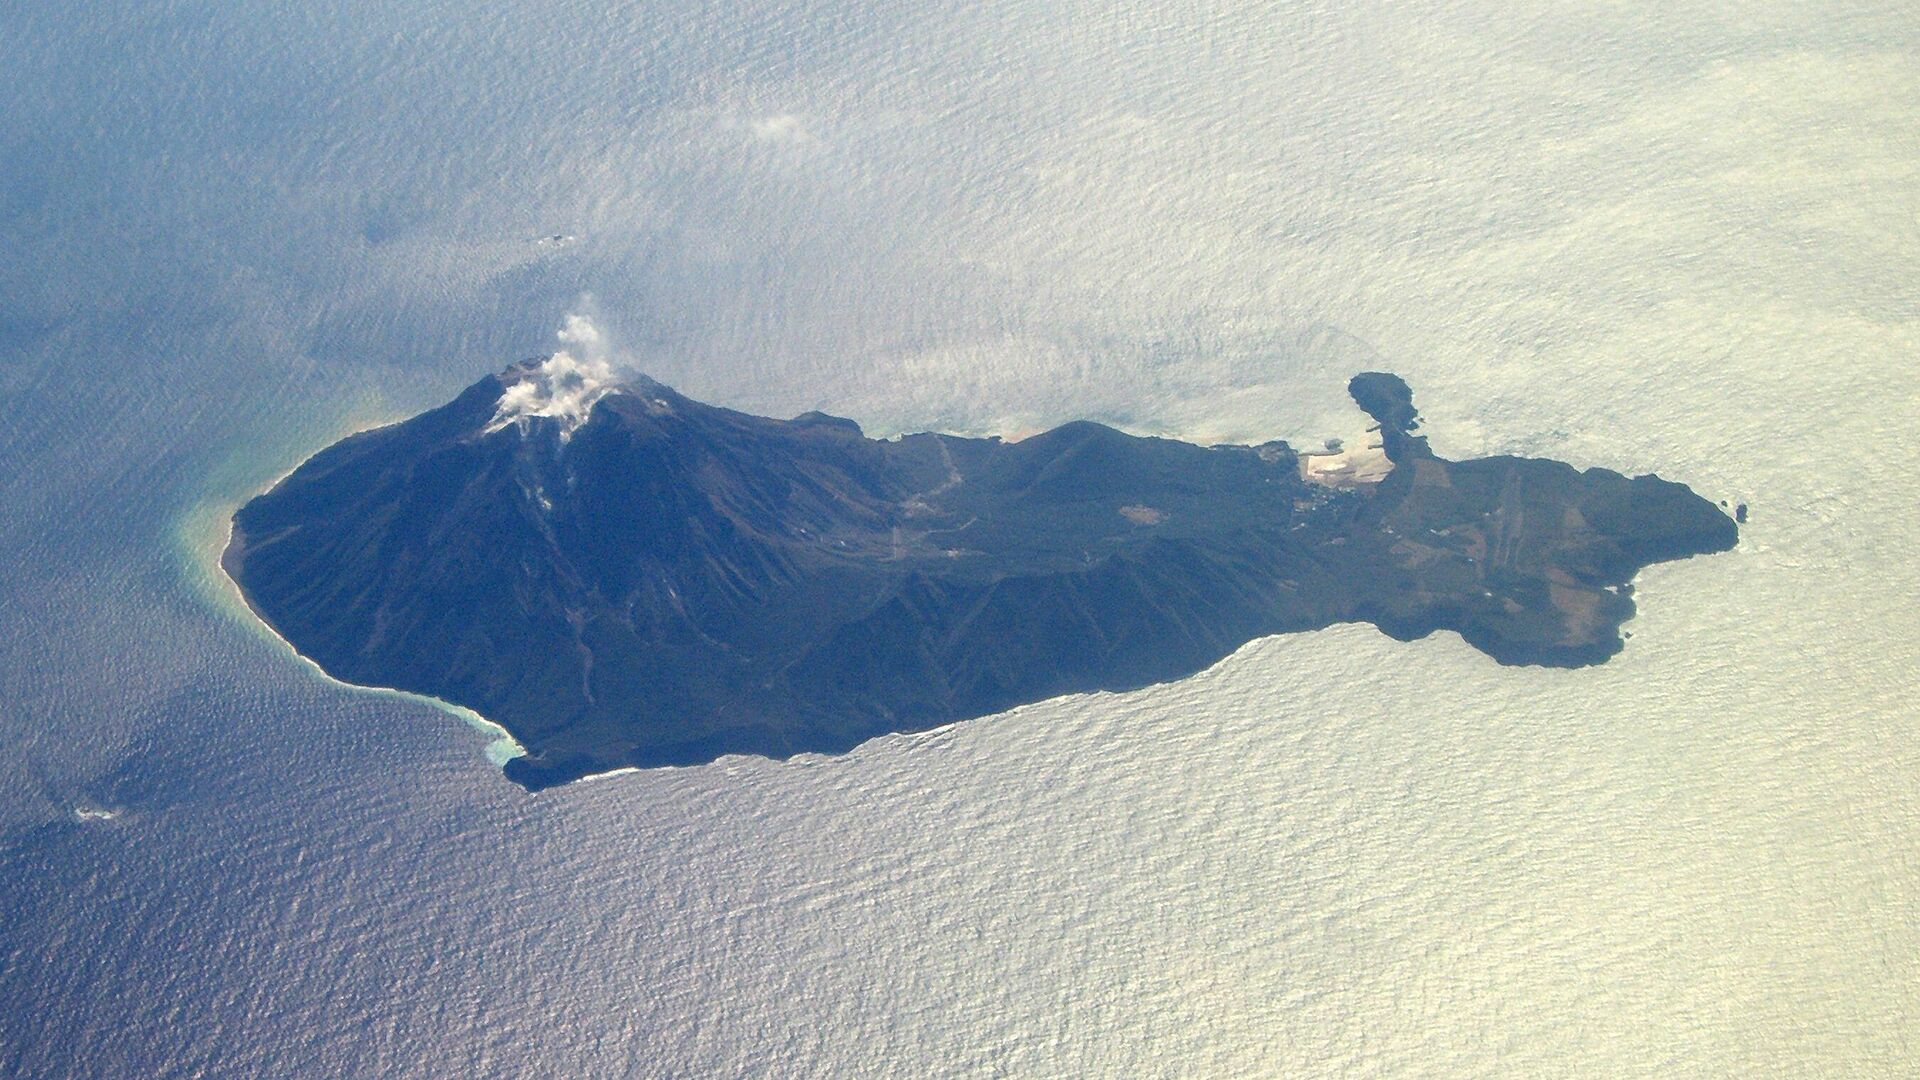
206, 549
501, 748
1584, 630
230, 598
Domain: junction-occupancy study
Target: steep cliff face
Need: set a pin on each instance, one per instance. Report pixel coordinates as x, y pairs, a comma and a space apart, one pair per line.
620, 575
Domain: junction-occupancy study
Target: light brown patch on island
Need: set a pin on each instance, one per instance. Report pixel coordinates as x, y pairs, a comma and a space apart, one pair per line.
1431, 472
1143, 515
1579, 610
1578, 605
1414, 555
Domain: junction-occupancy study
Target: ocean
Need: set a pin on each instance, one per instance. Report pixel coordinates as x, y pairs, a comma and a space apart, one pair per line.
1681, 240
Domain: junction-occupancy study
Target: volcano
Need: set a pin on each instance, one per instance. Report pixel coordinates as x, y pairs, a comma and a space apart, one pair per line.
622, 576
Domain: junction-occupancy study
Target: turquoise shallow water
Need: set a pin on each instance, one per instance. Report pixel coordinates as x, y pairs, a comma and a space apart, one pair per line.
1681, 240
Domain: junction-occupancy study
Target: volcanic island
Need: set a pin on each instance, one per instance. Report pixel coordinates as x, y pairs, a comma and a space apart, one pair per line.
621, 576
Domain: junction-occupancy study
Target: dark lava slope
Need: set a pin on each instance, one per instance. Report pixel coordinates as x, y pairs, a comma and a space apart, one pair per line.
669, 581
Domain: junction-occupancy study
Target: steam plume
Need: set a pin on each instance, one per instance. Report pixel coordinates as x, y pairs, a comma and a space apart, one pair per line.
564, 386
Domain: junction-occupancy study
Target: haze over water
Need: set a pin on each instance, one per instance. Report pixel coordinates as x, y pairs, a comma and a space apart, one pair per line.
1682, 239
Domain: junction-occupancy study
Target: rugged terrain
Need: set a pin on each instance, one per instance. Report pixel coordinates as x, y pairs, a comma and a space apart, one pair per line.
622, 576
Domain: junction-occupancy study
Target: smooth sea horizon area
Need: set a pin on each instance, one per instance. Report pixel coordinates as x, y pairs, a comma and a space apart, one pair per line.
1676, 239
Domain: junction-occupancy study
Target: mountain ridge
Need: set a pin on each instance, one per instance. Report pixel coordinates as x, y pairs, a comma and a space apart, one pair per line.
619, 575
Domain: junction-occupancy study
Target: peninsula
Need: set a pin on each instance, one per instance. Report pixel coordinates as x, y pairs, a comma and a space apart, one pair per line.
621, 576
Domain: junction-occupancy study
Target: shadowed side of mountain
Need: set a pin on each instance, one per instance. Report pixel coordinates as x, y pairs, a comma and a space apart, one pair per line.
635, 578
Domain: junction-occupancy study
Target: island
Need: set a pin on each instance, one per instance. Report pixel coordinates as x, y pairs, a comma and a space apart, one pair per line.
621, 576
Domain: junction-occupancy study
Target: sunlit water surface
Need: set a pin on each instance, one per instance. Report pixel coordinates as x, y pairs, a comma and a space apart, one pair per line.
1683, 238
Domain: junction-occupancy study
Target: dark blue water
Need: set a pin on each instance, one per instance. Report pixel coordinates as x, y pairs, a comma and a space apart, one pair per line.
231, 232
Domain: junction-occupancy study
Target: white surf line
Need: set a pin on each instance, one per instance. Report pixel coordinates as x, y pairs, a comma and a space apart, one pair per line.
230, 598
502, 748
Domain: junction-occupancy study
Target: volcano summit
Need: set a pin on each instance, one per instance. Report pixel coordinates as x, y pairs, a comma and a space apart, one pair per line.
621, 576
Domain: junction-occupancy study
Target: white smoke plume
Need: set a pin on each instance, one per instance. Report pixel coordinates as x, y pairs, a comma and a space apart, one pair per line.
564, 386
